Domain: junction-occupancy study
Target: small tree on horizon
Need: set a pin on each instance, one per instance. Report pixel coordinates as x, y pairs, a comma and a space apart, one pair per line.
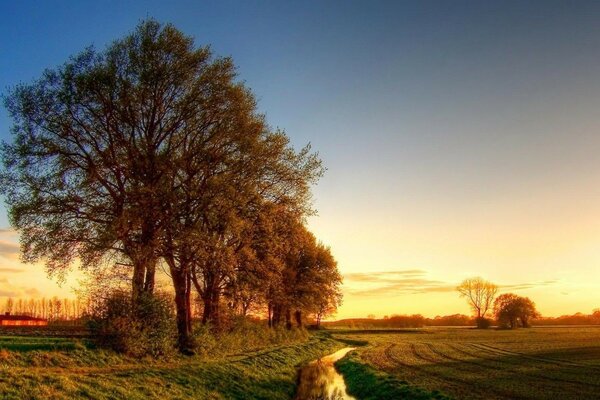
512, 311
480, 296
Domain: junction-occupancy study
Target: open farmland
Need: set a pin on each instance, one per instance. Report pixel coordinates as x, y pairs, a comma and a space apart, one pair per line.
538, 363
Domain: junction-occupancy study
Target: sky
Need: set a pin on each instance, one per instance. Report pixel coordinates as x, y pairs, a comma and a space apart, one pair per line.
461, 138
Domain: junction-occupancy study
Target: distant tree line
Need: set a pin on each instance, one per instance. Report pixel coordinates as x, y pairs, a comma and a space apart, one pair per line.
151, 154
419, 321
52, 309
575, 319
404, 321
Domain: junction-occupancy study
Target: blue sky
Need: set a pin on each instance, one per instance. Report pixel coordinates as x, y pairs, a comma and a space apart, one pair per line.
461, 138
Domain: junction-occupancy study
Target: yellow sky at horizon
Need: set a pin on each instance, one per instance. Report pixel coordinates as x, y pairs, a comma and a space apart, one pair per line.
410, 288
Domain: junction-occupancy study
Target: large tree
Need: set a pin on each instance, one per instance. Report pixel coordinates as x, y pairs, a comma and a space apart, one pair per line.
149, 151
480, 296
88, 171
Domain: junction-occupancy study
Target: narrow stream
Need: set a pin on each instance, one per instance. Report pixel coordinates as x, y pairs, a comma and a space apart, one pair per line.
320, 381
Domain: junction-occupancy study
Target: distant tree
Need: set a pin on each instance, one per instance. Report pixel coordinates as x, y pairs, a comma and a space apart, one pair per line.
480, 295
9, 306
513, 311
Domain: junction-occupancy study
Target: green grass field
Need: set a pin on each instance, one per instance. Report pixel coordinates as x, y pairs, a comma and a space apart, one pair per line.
435, 363
49, 368
538, 363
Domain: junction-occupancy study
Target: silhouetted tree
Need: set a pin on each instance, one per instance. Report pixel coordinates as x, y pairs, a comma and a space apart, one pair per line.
512, 310
480, 295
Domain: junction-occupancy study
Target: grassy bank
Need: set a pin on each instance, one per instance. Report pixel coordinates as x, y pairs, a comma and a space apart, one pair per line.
82, 373
366, 383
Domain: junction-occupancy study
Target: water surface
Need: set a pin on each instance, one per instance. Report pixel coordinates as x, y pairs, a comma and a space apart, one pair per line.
320, 381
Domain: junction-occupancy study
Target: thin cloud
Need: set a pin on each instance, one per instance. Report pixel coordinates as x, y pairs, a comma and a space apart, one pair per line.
406, 286
405, 282
384, 276
8, 289
32, 292
528, 285
11, 270
9, 250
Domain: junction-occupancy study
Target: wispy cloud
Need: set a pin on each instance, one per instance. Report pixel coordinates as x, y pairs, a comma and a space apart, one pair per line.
32, 292
528, 285
9, 250
10, 270
8, 293
412, 281
408, 281
387, 276
8, 289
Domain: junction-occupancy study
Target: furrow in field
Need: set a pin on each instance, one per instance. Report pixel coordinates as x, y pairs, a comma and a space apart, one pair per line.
465, 375
543, 359
433, 380
496, 364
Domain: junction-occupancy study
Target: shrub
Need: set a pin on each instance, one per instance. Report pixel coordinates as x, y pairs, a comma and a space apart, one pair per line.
145, 328
483, 323
242, 336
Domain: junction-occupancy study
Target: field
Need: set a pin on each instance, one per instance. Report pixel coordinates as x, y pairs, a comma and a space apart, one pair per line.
54, 368
537, 363
431, 363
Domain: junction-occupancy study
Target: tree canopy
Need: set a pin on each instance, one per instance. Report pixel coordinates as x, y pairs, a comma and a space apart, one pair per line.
513, 311
480, 295
153, 152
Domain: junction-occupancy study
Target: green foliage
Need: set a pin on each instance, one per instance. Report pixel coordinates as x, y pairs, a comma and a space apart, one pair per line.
138, 329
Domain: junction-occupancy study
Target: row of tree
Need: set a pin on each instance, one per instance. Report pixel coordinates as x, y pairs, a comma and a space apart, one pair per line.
152, 154
52, 309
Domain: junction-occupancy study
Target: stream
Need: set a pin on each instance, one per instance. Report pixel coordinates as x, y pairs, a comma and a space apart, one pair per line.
319, 380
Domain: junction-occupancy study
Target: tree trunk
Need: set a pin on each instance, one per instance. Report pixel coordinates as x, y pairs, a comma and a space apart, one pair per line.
137, 280
180, 279
288, 319
211, 307
188, 288
150, 277
270, 314
276, 315
298, 317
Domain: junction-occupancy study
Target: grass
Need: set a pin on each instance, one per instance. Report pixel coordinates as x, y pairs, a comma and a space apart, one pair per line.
30, 343
82, 373
434, 363
538, 363
366, 383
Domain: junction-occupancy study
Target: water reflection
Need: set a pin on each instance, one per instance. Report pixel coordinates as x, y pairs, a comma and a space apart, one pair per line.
320, 381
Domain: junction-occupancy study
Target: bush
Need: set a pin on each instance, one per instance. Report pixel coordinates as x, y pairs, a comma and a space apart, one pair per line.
145, 328
483, 323
243, 335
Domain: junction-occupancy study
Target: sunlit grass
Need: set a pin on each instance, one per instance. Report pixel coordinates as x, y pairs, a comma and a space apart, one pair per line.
76, 371
538, 363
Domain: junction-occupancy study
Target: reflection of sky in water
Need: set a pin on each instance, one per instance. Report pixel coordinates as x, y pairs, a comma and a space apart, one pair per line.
320, 381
